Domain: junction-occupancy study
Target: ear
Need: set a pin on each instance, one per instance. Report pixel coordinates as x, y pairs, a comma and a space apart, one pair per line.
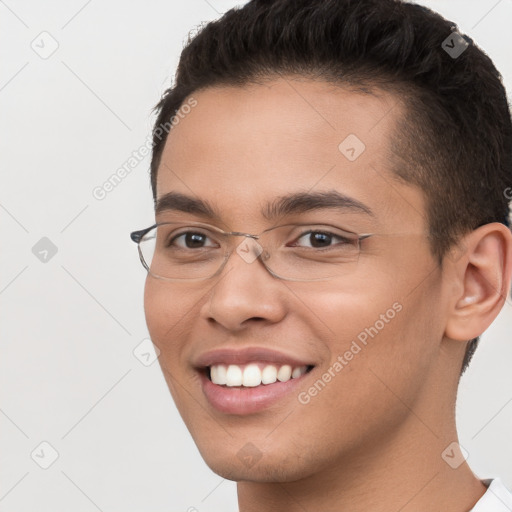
483, 274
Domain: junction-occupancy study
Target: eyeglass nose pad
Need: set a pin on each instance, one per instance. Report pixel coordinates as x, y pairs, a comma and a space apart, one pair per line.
264, 257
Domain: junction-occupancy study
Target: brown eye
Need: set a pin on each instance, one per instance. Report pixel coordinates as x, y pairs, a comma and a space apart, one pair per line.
321, 239
191, 240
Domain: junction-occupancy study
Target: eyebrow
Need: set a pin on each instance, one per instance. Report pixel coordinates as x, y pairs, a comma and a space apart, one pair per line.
186, 204
303, 202
297, 203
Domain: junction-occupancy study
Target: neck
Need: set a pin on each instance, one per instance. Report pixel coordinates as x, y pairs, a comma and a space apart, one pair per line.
408, 474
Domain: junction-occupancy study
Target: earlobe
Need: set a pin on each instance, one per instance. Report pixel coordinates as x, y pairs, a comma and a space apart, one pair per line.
484, 272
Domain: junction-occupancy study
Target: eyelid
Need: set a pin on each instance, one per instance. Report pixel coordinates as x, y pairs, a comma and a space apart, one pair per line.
345, 237
205, 230
191, 224
312, 226
337, 234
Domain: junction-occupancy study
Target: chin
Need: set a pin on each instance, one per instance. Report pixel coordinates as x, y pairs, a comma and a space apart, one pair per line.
263, 467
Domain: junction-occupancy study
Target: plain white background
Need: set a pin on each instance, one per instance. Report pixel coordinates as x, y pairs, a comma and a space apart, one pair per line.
70, 324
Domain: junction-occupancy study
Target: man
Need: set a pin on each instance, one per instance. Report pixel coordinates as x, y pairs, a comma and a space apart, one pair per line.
332, 238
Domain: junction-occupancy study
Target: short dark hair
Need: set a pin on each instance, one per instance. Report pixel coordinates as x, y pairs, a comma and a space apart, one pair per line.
454, 140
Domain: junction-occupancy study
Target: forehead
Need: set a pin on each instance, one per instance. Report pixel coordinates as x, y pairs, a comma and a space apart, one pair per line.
244, 146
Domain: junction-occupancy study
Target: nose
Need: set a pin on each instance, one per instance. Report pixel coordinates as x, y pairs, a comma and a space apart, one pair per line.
245, 292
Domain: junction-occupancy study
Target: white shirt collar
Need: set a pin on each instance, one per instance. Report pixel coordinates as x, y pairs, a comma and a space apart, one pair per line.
497, 498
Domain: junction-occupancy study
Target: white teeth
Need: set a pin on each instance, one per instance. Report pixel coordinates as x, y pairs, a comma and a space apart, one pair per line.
297, 372
218, 374
252, 375
269, 374
234, 375
285, 373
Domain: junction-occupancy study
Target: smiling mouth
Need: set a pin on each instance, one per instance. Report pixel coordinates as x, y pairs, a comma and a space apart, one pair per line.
253, 374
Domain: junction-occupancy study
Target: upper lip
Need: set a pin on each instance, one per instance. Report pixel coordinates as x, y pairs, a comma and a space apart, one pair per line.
245, 355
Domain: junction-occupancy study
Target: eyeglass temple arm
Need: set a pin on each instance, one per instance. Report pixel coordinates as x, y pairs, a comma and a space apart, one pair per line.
136, 236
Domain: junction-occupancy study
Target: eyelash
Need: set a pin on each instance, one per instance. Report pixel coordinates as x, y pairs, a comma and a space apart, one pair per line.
305, 233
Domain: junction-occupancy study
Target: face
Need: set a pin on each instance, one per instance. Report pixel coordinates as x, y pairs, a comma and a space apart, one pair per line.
374, 328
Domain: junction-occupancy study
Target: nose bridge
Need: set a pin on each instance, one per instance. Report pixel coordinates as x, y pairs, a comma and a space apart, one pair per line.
251, 246
248, 249
239, 233
246, 289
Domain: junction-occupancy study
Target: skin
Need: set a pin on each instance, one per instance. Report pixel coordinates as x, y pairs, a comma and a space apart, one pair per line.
372, 439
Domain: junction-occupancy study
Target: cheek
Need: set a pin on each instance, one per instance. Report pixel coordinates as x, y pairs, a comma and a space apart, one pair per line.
157, 308
159, 312
381, 348
169, 315
168, 311
385, 326
167, 306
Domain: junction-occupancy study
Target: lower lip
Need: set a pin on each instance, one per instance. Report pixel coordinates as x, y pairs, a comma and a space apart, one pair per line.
240, 400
